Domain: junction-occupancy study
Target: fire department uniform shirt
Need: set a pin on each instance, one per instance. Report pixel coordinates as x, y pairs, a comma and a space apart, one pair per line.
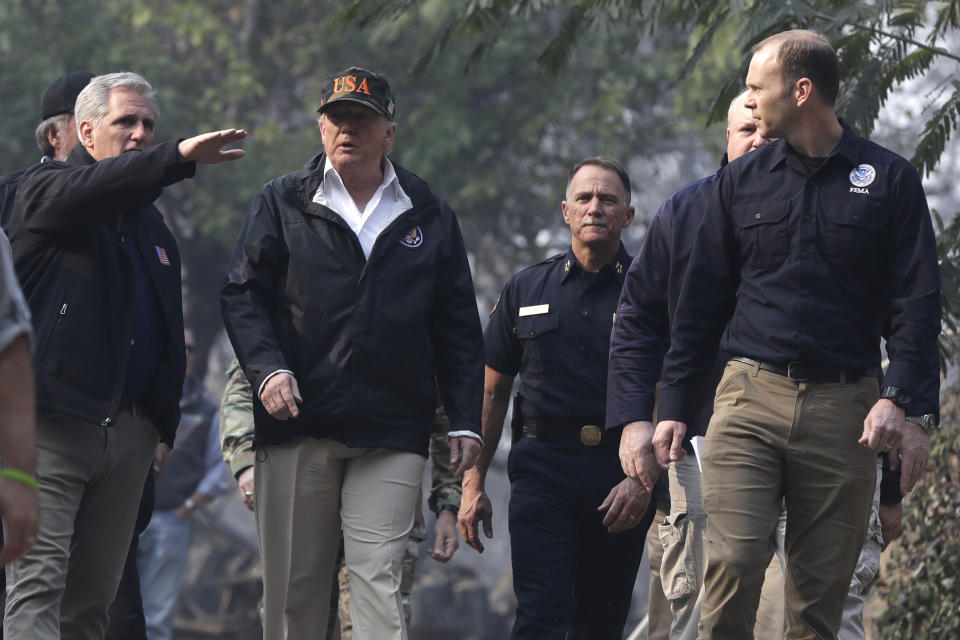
794, 265
552, 326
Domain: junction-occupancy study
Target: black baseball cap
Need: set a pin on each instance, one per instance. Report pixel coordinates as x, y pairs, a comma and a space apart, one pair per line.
358, 85
62, 94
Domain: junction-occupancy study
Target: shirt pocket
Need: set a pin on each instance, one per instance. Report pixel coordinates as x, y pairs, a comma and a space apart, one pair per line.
854, 236
764, 234
538, 337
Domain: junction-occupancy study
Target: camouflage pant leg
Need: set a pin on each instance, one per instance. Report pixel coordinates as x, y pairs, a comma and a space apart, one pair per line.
409, 567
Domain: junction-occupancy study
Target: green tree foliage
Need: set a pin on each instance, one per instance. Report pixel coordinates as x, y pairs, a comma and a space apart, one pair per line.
880, 44
496, 143
924, 596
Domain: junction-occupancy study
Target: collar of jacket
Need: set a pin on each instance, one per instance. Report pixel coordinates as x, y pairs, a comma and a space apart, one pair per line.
299, 186
79, 157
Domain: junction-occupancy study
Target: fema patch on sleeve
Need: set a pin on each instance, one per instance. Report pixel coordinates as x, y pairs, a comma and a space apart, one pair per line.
412, 239
863, 176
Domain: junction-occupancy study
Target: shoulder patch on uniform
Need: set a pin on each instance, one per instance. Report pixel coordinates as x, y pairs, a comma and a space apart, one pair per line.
412, 239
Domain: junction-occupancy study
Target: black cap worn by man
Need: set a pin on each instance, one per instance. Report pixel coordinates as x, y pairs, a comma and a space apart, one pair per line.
359, 85
62, 94
58, 99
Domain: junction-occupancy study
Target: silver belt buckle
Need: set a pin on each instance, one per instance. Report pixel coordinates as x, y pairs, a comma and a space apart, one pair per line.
796, 377
591, 435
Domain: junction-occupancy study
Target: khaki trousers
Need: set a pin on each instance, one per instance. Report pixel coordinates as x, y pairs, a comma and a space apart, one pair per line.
658, 607
91, 479
773, 441
306, 491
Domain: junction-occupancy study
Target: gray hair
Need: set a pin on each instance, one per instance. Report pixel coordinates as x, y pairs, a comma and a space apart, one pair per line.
94, 101
604, 163
59, 123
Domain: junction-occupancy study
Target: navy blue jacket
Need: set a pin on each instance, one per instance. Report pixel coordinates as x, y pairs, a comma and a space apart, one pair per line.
365, 338
794, 267
641, 331
77, 279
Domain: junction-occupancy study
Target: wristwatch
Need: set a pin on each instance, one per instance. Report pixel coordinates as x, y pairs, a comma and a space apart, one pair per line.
190, 504
928, 422
896, 395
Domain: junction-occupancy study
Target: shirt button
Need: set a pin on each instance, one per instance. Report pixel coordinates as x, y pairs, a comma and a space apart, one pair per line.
856, 218
585, 313
132, 342
757, 215
533, 333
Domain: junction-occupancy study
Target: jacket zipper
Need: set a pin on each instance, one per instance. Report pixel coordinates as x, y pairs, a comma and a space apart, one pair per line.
114, 406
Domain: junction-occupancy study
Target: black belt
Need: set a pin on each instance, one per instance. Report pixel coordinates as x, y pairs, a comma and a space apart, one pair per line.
801, 372
588, 434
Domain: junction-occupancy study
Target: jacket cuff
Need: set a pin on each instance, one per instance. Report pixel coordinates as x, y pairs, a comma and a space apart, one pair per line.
672, 405
241, 461
907, 376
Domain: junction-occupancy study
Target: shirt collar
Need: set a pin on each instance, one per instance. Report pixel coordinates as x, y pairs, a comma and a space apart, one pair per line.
849, 148
389, 174
618, 265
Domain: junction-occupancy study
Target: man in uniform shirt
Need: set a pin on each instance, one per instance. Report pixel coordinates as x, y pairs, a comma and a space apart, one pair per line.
577, 525
349, 294
810, 250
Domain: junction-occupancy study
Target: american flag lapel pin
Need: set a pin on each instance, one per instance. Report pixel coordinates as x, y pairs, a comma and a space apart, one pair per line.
162, 255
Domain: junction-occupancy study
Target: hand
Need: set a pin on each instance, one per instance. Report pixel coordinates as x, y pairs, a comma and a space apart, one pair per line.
182, 512
445, 533
624, 505
245, 483
464, 451
207, 148
636, 454
668, 442
883, 428
890, 515
475, 506
281, 395
912, 455
160, 455
18, 504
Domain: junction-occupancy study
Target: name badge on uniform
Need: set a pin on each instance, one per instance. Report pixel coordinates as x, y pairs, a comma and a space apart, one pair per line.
535, 310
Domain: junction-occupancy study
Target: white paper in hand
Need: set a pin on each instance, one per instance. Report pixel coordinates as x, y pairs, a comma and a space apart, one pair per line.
697, 442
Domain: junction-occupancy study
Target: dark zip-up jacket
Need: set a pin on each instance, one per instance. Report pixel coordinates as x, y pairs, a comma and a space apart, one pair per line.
364, 337
78, 282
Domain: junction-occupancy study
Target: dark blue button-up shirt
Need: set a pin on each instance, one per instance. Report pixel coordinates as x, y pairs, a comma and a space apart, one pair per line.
641, 331
790, 266
552, 326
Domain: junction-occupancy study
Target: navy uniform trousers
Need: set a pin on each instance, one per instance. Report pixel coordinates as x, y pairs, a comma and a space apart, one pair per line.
568, 571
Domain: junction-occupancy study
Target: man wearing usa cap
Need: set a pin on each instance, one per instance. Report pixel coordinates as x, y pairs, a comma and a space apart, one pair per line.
348, 293
101, 274
56, 134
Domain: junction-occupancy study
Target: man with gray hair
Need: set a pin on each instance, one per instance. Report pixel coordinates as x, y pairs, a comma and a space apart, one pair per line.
101, 274
56, 134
